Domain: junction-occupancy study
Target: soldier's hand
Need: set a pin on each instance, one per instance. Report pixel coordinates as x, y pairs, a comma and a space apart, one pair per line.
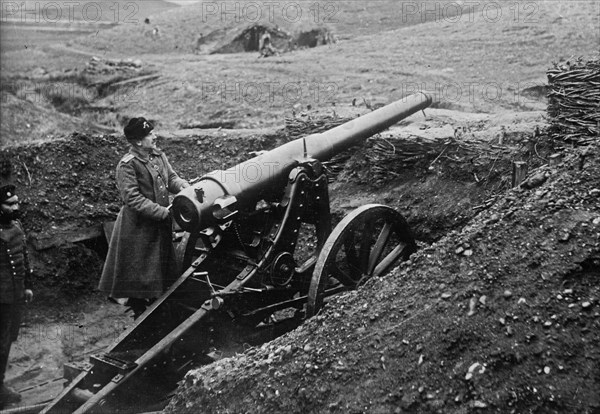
169, 219
28, 295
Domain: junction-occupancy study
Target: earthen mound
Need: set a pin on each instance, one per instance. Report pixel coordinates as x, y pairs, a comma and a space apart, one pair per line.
251, 38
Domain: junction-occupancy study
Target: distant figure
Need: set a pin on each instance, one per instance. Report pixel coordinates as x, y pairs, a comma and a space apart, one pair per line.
147, 20
265, 46
330, 38
155, 33
321, 39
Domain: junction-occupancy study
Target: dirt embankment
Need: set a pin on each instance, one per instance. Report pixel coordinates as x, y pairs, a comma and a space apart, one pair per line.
67, 191
502, 316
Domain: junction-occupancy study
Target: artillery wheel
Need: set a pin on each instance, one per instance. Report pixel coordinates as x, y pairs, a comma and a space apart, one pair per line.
367, 242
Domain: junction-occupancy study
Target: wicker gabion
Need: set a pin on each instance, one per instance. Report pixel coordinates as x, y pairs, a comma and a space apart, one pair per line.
381, 159
574, 101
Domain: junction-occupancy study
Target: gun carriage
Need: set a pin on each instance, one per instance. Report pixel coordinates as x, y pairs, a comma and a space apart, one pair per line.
248, 271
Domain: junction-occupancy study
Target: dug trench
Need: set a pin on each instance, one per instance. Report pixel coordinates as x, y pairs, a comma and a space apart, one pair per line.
439, 178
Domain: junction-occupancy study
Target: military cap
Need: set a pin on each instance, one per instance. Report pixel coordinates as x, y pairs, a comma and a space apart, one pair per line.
6, 192
137, 128
7, 189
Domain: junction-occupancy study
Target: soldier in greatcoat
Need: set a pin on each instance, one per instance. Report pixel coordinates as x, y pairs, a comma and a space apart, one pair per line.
140, 264
15, 281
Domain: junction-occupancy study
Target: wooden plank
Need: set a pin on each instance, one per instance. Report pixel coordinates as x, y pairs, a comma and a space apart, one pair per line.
519, 172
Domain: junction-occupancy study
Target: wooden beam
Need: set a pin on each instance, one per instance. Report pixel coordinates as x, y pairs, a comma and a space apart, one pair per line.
519, 172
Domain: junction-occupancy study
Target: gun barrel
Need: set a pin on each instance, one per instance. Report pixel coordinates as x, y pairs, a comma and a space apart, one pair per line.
249, 181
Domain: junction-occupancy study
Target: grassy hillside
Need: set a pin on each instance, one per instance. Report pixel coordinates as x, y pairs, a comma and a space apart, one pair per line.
82, 11
180, 28
473, 66
35, 24
485, 60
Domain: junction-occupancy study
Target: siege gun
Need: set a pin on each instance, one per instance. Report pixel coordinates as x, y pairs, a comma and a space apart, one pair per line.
260, 257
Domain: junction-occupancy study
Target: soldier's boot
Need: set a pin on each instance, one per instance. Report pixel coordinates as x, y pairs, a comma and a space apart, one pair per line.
137, 305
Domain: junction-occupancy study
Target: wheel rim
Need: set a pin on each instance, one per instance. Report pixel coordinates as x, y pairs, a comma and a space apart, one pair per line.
366, 243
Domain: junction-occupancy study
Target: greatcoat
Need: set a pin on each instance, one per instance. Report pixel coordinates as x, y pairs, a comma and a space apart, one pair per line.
14, 263
15, 277
141, 260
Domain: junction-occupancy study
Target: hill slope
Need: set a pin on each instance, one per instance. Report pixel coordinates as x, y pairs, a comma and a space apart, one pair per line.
502, 316
474, 63
509, 60
47, 12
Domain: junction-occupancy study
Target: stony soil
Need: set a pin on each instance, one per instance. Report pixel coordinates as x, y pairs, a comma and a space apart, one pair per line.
500, 316
497, 312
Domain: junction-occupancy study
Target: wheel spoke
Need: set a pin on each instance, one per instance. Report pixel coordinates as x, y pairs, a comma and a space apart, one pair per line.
362, 245
342, 276
389, 260
350, 250
380, 244
365, 248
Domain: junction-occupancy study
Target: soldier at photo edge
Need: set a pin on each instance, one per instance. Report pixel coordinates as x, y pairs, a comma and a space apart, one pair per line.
15, 275
140, 264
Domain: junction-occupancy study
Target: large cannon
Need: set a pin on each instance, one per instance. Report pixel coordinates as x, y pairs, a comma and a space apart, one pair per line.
260, 257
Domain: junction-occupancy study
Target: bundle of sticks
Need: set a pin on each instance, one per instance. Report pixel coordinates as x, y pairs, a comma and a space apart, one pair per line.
393, 156
389, 157
301, 127
574, 100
